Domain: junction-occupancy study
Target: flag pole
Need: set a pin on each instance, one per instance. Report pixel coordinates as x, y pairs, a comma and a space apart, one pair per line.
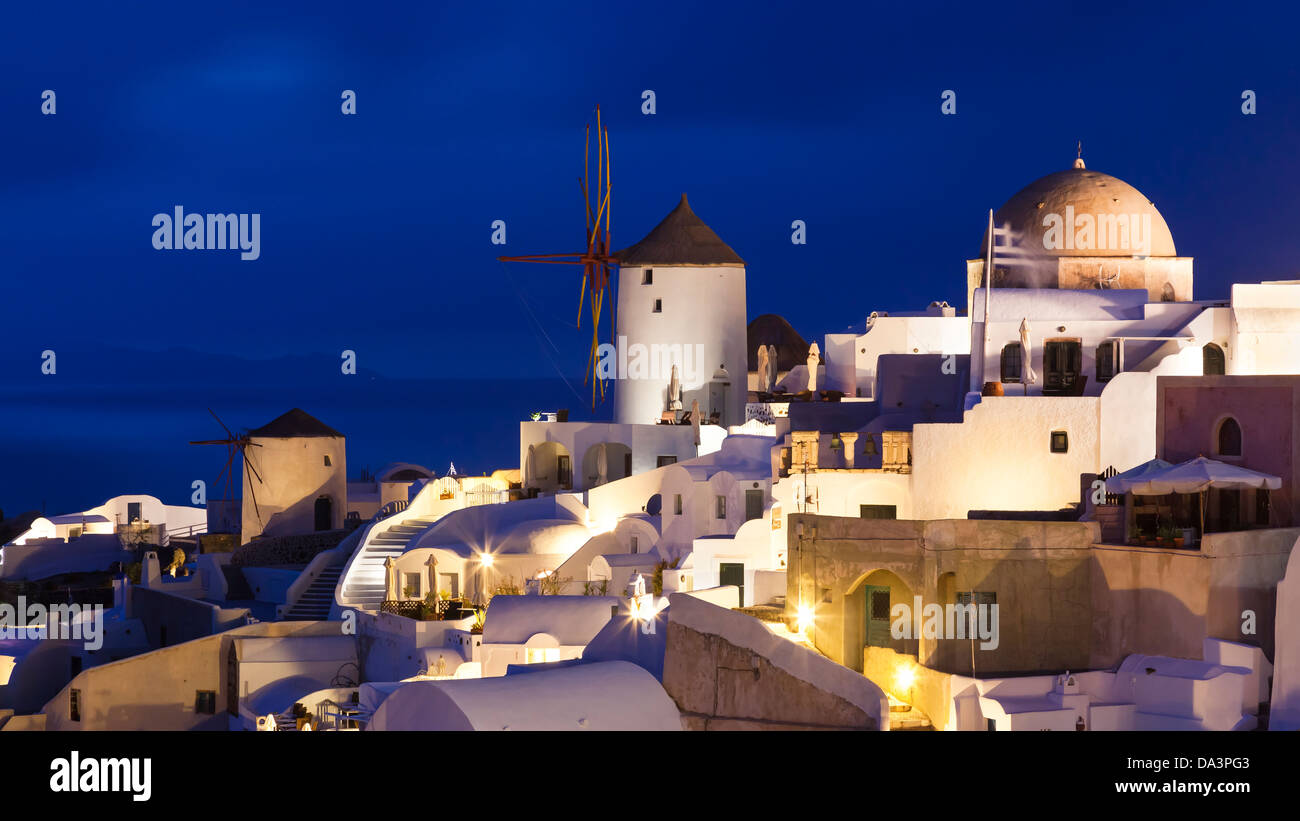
988, 286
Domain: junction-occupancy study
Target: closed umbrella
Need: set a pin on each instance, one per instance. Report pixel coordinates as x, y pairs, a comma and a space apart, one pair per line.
602, 468
814, 357
772, 369
695, 420
762, 369
1026, 355
675, 391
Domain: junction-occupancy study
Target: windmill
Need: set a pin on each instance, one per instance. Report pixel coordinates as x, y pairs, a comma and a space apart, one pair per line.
597, 259
235, 444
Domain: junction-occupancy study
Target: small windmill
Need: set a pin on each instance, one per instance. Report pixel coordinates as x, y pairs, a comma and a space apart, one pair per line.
235, 444
597, 259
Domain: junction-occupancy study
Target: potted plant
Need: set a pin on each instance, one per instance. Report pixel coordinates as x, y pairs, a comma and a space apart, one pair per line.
1169, 535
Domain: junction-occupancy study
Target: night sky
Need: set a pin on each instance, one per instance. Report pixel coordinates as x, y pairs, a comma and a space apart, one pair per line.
375, 228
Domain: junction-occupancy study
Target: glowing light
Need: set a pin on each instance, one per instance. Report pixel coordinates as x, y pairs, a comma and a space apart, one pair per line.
603, 525
486, 559
805, 618
904, 678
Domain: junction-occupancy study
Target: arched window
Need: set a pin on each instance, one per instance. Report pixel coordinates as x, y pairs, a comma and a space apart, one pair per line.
1167, 293
1212, 360
1011, 362
1229, 437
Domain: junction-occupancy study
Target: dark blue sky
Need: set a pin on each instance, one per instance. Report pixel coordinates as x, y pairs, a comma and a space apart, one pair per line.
375, 228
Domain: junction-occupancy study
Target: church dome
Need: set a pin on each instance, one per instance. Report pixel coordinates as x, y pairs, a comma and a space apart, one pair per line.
1110, 218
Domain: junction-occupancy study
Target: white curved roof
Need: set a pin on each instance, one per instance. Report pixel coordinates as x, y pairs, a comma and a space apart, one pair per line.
612, 695
572, 620
386, 474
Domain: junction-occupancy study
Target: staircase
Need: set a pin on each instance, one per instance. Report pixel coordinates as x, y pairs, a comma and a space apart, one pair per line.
364, 585
314, 603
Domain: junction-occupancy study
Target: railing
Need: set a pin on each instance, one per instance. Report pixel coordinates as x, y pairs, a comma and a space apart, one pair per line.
395, 506
442, 610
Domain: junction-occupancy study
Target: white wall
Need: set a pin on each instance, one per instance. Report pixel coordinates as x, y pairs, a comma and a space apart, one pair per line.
701, 305
1000, 457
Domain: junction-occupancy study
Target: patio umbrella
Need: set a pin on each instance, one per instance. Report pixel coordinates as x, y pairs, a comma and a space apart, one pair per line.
762, 369
1122, 482
695, 420
1199, 475
675, 391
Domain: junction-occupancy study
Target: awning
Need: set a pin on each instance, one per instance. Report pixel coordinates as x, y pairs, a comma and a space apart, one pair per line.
1198, 475
1121, 482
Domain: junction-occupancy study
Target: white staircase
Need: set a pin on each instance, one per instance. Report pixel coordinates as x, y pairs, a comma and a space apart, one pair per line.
362, 586
314, 603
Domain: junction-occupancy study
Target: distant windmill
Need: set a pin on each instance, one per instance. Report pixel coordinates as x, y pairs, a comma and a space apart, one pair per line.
597, 259
235, 444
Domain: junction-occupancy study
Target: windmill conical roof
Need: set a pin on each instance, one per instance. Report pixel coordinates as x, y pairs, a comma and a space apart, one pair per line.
293, 424
681, 238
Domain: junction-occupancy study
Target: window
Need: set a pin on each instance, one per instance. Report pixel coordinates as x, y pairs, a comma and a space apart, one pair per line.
1060, 441
1062, 363
722, 507
648, 278
634, 545
878, 511
74, 705
327, 460
1212, 363
1229, 438
205, 702
541, 655
1107, 361
1011, 363
133, 513
659, 306
74, 532
677, 504
664, 460
411, 585
978, 598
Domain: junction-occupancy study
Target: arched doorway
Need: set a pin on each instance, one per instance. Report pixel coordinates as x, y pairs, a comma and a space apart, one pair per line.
868, 615
324, 513
617, 458
1212, 360
551, 468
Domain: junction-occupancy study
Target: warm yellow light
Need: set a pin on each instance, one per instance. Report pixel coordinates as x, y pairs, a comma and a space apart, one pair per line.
905, 678
485, 559
805, 618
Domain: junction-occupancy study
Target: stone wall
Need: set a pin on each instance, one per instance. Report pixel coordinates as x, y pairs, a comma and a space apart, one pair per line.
278, 550
726, 671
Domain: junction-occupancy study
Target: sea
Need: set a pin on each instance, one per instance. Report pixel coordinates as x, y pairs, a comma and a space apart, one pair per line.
107, 423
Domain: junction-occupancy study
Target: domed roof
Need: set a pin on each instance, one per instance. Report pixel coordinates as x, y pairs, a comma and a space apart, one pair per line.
1111, 218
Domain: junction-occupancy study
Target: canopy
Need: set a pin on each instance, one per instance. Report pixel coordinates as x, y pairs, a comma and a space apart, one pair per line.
1122, 482
1200, 474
